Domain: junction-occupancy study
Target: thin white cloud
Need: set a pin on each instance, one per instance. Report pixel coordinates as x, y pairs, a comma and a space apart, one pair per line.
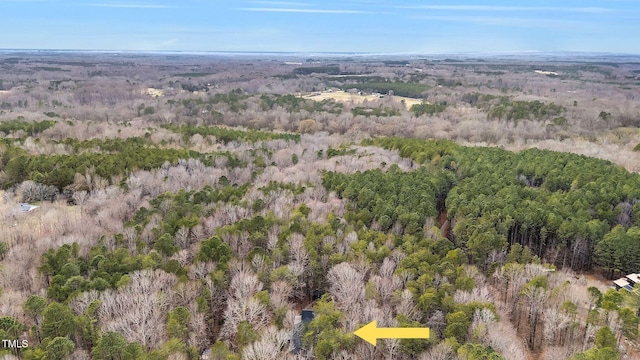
309, 11
594, 10
467, 7
281, 3
505, 21
132, 6
169, 42
591, 10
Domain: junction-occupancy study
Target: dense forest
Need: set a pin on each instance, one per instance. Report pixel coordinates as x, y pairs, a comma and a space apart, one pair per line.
205, 212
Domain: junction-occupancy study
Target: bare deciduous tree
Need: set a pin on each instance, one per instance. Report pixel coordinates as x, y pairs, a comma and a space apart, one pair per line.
271, 346
138, 310
441, 351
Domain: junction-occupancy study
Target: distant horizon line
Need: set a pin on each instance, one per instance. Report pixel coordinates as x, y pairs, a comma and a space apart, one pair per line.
338, 53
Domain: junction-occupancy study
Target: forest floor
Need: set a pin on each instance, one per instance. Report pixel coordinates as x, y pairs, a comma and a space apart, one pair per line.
508, 332
596, 280
632, 354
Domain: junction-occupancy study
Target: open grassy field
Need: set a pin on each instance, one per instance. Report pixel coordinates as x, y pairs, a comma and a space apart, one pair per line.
155, 92
345, 97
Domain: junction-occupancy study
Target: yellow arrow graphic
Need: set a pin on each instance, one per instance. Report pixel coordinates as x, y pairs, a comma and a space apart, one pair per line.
371, 332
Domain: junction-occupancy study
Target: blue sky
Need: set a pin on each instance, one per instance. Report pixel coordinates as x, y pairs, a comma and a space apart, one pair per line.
378, 26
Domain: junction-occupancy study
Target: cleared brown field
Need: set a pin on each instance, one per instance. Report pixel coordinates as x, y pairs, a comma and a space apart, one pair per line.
345, 97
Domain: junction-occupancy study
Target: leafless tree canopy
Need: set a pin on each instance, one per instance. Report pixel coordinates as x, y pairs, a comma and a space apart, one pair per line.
183, 206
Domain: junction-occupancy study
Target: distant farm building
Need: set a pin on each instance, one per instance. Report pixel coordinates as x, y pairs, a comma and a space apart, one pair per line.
548, 73
24, 207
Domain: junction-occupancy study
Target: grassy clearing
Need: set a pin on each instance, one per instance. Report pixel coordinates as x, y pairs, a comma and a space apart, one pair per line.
345, 97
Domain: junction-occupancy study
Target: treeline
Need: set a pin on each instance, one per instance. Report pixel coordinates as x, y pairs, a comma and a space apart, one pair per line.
502, 107
30, 128
294, 104
478, 99
379, 111
412, 90
525, 110
5, 105
618, 249
106, 145
227, 135
235, 100
333, 152
386, 198
562, 206
330, 70
428, 109
112, 157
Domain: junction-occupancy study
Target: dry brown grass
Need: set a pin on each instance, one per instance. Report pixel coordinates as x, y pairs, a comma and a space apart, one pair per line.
345, 97
155, 92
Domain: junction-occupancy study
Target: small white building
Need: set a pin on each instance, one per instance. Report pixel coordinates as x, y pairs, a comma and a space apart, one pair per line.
24, 207
628, 282
622, 283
